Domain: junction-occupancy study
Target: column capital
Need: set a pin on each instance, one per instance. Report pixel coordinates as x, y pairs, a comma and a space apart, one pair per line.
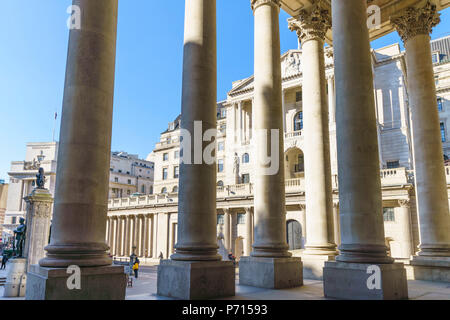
336, 204
302, 206
414, 21
404, 203
311, 24
257, 3
248, 209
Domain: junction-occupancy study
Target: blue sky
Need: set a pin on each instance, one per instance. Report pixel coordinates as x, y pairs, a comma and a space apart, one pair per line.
34, 39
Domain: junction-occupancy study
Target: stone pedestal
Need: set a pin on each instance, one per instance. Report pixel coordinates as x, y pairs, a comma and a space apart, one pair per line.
16, 279
350, 281
430, 268
39, 206
97, 283
271, 273
313, 265
195, 280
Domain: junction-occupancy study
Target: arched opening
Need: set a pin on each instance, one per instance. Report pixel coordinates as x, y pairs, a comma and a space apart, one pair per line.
245, 158
294, 234
298, 121
294, 164
164, 190
175, 189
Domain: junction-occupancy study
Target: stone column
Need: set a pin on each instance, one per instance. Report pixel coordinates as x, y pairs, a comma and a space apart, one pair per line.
39, 206
337, 229
196, 250
362, 227
127, 236
79, 215
303, 222
239, 123
311, 26
404, 218
249, 231
331, 99
270, 250
227, 229
414, 27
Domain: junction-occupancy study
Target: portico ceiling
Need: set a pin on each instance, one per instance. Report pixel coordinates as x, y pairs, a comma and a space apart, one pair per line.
389, 8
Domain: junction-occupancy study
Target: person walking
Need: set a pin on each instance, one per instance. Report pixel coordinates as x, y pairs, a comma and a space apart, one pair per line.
4, 260
136, 267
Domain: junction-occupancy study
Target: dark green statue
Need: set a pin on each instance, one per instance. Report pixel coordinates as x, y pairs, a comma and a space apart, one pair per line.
19, 235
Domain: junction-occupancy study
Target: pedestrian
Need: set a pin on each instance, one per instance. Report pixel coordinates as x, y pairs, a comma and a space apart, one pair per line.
232, 258
4, 260
161, 256
136, 267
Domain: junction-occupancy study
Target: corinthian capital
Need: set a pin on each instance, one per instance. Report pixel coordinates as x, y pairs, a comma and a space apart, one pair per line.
257, 3
312, 23
415, 21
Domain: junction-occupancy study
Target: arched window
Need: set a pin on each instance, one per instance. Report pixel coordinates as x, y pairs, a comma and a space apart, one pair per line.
220, 183
164, 190
245, 158
298, 121
175, 189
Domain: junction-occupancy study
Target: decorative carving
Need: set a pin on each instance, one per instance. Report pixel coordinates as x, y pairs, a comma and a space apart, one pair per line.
257, 3
415, 21
31, 165
311, 24
291, 65
404, 203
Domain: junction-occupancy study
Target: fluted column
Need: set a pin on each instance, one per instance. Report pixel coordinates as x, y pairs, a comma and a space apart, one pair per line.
414, 27
311, 26
270, 213
79, 215
197, 195
249, 231
362, 228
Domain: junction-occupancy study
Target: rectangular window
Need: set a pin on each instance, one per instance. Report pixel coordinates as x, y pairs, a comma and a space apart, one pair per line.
440, 104
176, 154
246, 178
129, 181
221, 146
128, 192
443, 132
389, 214
223, 113
393, 164
164, 174
241, 218
220, 165
298, 96
14, 220
116, 179
176, 172
143, 189
165, 156
220, 219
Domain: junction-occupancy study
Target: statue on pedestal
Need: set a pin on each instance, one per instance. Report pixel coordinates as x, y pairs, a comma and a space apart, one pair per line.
40, 179
19, 234
236, 168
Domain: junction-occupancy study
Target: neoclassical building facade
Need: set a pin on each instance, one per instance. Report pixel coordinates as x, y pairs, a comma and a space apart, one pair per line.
357, 186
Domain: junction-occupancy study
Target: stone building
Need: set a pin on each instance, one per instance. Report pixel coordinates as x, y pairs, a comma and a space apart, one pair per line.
128, 175
360, 190
3, 198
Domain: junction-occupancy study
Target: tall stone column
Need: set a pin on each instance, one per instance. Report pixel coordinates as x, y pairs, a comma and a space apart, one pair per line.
405, 239
331, 99
414, 27
362, 229
249, 231
226, 229
311, 26
196, 271
270, 250
80, 213
336, 223
303, 223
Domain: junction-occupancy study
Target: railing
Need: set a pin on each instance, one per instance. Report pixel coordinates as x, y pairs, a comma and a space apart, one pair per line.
394, 176
293, 134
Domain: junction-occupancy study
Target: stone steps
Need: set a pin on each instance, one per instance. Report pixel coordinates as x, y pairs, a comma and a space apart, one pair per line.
2, 281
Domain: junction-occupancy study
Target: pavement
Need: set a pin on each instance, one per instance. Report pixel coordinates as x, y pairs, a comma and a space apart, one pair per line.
144, 288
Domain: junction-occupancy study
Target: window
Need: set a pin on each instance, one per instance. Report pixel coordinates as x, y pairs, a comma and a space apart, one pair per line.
298, 121
220, 219
176, 172
300, 166
220, 183
298, 96
128, 192
241, 218
223, 128
393, 164
435, 57
116, 179
388, 214
220, 165
175, 189
221, 146
443, 132
143, 189
129, 181
223, 113
14, 220
165, 156
120, 171
111, 169
164, 190
176, 154
151, 190
164, 174
245, 158
440, 104
246, 178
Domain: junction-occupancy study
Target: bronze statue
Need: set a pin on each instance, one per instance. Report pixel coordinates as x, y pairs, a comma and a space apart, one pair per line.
40, 179
19, 235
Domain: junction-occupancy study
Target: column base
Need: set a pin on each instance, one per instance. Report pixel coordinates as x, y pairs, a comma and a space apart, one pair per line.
271, 273
429, 268
195, 280
344, 280
313, 265
97, 283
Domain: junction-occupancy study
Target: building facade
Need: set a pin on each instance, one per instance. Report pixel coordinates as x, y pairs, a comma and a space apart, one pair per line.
3, 199
235, 172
